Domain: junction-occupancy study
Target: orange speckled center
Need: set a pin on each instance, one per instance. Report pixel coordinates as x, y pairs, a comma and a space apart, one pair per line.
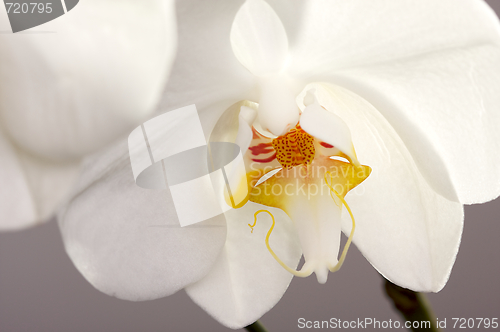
294, 148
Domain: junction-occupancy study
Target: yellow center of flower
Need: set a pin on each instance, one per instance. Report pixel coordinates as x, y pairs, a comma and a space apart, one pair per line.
294, 148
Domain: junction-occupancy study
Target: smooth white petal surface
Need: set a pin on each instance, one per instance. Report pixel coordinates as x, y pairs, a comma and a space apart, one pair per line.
245, 119
16, 207
404, 228
127, 241
337, 34
429, 80
258, 38
32, 187
206, 72
74, 84
290, 13
49, 182
328, 127
246, 281
444, 106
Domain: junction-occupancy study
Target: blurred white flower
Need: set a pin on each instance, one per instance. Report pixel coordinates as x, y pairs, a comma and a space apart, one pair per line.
417, 87
69, 87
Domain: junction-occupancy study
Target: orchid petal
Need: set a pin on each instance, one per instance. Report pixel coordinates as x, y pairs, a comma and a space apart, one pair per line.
127, 241
246, 281
105, 62
359, 34
49, 182
428, 98
290, 14
404, 228
16, 207
426, 87
258, 38
227, 126
245, 119
206, 72
328, 127
259, 42
33, 187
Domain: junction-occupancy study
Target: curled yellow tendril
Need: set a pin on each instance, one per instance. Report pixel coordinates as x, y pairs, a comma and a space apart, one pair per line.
302, 273
305, 272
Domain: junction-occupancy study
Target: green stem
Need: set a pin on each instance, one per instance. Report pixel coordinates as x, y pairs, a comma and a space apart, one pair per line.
256, 327
413, 306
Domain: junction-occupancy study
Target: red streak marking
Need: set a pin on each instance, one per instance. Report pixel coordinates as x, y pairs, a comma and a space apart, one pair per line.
262, 148
326, 145
267, 160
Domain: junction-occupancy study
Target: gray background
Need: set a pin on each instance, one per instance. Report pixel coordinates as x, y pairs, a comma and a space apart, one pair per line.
41, 291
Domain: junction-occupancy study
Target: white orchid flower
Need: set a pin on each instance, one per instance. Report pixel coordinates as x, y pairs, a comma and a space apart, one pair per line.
412, 86
69, 87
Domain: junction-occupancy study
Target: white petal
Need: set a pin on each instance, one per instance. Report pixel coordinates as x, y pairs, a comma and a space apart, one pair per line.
246, 281
79, 81
127, 241
31, 188
234, 125
245, 119
206, 71
16, 206
328, 127
259, 42
258, 38
49, 182
405, 229
445, 108
426, 79
290, 14
336, 34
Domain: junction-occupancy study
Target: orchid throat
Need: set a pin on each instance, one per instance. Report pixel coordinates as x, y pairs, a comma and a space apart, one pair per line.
306, 174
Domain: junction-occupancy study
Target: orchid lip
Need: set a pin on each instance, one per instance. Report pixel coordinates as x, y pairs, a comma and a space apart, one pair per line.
278, 160
319, 265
